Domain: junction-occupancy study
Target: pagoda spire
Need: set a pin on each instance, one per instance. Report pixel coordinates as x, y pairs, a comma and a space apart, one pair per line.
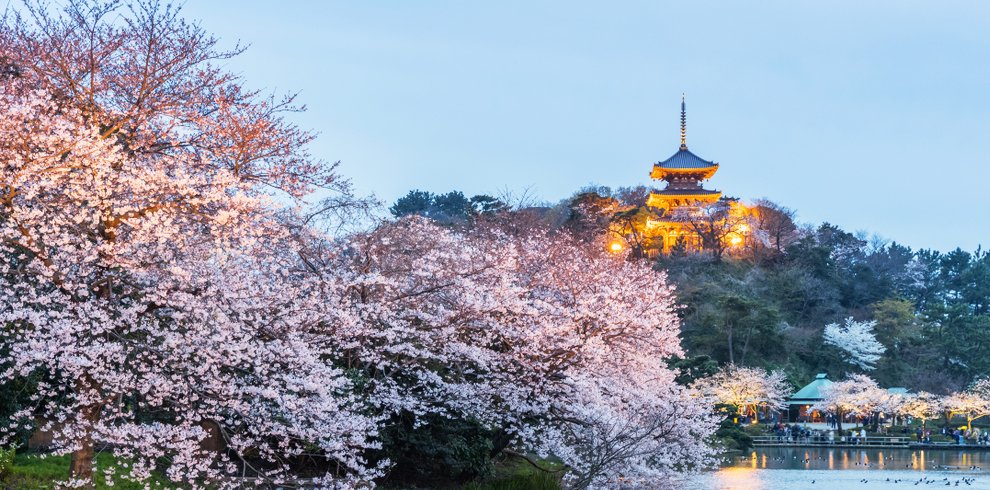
683, 124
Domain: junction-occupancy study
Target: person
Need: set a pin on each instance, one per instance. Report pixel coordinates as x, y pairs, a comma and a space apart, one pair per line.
919, 434
862, 435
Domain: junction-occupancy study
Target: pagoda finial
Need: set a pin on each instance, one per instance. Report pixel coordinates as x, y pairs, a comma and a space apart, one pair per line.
683, 124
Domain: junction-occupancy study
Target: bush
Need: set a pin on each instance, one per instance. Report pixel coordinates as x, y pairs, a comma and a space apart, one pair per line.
733, 437
516, 474
6, 461
438, 451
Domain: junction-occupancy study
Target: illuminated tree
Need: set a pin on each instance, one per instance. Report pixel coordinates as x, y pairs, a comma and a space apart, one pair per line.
747, 388
921, 405
720, 226
146, 275
973, 403
150, 291
557, 345
858, 394
857, 341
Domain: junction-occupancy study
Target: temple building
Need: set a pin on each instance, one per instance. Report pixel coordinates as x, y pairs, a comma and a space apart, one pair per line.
685, 215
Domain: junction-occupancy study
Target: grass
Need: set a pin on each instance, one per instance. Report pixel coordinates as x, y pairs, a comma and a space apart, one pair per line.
517, 474
35, 472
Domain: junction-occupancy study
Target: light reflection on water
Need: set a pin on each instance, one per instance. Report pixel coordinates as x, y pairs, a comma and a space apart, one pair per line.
850, 468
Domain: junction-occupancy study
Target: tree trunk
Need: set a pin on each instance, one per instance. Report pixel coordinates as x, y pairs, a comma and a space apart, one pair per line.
745, 346
81, 461
838, 422
732, 359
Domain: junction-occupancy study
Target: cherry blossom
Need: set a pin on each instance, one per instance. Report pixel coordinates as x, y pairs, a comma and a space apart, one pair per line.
747, 388
857, 341
156, 296
556, 344
858, 394
921, 405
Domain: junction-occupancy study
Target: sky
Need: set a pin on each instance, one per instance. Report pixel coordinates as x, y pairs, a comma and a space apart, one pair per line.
873, 116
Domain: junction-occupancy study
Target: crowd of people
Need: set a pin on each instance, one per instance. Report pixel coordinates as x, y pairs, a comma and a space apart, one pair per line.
797, 433
961, 436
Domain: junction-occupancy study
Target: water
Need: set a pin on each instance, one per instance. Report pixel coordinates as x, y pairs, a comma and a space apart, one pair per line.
784, 468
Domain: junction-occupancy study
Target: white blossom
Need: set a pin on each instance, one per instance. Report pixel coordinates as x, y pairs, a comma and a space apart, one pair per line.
746, 388
857, 342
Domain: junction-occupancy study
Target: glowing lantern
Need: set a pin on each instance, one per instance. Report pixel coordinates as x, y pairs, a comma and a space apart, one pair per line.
615, 247
735, 240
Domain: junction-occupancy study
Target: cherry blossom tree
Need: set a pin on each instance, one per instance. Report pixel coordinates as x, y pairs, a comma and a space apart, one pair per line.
556, 344
980, 387
145, 272
154, 82
154, 295
858, 394
973, 403
747, 388
921, 405
857, 341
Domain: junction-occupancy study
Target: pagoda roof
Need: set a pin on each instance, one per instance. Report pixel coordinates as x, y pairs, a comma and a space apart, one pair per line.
812, 392
684, 159
686, 192
684, 162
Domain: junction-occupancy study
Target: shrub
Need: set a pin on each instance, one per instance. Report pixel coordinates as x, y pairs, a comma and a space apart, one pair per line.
436, 451
6, 461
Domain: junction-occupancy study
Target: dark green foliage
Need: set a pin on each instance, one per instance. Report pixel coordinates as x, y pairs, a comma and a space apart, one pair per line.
438, 451
450, 208
690, 369
514, 473
15, 395
731, 435
6, 461
932, 309
415, 202
484, 204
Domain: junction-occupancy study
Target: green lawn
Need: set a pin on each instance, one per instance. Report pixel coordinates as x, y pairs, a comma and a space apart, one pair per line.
35, 472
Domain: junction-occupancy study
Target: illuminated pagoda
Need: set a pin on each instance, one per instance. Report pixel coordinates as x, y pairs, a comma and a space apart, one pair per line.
684, 173
684, 201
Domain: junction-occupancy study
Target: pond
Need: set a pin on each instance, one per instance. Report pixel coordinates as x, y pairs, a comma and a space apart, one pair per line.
785, 468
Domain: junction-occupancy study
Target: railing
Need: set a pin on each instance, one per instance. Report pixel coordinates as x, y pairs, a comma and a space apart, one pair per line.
878, 441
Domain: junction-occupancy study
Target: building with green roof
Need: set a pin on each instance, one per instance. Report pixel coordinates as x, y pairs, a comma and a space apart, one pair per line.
799, 404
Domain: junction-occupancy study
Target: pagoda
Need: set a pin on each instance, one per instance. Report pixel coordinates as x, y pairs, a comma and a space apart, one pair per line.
684, 199
684, 173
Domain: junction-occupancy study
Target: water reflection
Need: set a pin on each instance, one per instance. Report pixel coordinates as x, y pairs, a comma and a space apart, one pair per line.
816, 468
864, 459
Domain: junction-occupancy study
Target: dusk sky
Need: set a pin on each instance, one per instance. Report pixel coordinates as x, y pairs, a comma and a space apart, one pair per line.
871, 115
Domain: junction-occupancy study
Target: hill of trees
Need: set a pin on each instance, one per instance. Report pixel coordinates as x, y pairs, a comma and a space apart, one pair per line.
768, 304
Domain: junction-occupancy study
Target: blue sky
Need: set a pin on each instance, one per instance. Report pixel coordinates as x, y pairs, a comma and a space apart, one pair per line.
871, 115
